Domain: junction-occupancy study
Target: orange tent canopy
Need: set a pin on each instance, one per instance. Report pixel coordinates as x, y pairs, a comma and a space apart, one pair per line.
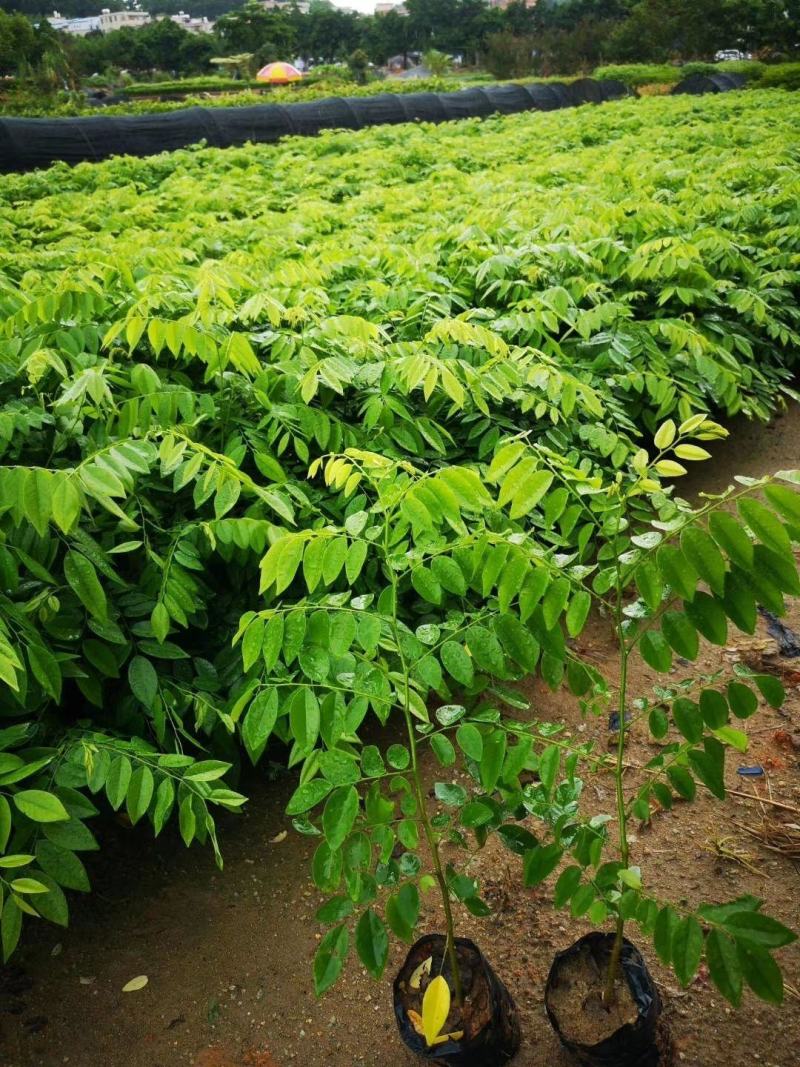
278, 73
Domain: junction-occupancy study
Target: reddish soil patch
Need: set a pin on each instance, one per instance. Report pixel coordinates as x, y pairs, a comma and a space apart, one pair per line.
217, 1056
228, 954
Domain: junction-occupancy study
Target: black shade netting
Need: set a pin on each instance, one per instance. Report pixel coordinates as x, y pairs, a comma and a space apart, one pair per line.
29, 143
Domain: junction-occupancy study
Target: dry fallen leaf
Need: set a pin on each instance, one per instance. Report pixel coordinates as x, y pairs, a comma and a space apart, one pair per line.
456, 1035
415, 1019
135, 983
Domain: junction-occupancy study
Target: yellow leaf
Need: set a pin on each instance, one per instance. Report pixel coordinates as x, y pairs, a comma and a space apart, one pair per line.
416, 976
135, 984
435, 1008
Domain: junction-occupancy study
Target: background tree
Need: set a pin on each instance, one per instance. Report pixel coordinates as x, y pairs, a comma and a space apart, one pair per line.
17, 42
69, 8
436, 62
508, 55
660, 30
387, 35
358, 62
269, 34
456, 27
328, 33
555, 37
162, 45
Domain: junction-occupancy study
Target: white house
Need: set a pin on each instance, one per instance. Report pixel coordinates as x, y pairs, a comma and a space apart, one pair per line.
193, 25
117, 20
77, 27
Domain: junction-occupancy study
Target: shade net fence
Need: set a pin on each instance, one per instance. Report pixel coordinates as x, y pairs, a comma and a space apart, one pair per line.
29, 143
697, 84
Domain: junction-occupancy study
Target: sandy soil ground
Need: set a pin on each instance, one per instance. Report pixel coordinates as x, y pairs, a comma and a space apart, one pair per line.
228, 954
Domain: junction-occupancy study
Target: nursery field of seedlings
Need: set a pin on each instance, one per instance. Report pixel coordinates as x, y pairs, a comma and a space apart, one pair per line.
338, 460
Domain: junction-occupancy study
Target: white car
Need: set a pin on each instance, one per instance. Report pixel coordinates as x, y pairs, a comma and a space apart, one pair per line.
729, 53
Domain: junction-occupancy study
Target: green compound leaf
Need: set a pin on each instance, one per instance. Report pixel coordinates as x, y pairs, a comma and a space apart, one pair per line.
329, 958
372, 943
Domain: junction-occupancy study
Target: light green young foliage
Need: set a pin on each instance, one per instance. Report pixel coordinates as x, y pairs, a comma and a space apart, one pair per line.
182, 337
452, 613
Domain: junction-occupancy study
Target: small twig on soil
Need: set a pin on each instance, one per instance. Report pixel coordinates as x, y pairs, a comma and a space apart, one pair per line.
765, 800
785, 840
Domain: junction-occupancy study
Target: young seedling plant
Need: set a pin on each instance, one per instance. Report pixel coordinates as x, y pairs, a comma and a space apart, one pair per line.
694, 570
436, 548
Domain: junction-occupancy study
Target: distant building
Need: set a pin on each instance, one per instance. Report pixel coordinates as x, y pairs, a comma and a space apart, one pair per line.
193, 25
503, 4
108, 20
77, 27
118, 20
383, 7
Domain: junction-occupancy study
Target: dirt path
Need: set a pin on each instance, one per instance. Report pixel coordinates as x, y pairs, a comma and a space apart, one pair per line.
228, 954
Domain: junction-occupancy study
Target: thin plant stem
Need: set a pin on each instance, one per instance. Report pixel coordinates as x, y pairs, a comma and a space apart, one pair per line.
433, 842
427, 829
622, 816
609, 993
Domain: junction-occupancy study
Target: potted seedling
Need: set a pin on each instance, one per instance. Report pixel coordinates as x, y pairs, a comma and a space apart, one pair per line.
693, 569
454, 607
